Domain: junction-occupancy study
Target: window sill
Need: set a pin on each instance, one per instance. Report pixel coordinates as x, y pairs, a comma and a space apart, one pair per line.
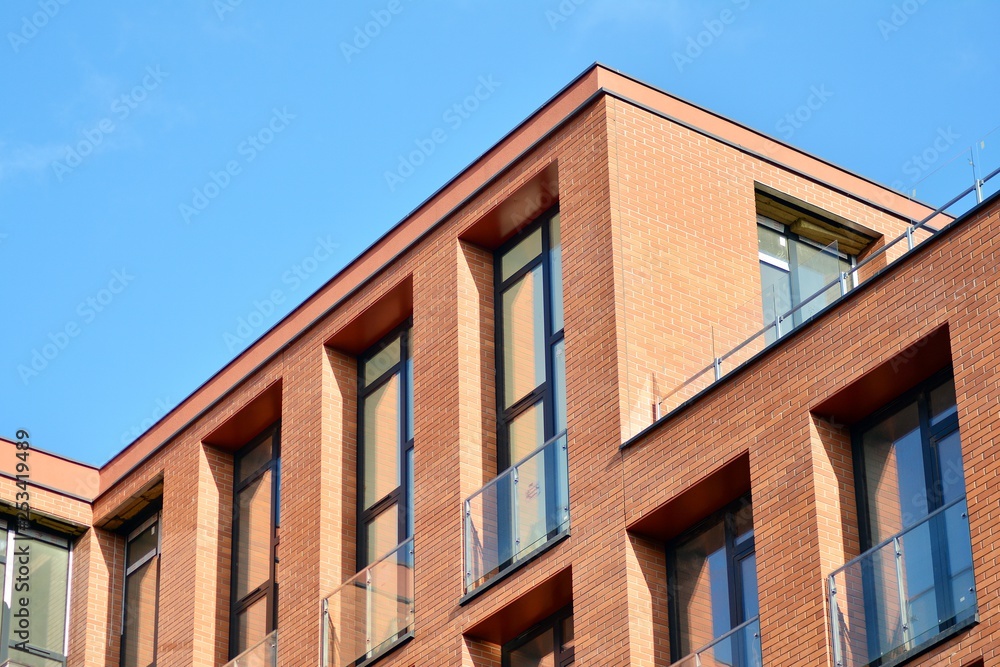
511, 569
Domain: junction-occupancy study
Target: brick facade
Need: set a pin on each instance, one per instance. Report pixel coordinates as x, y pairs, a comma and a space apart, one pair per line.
660, 274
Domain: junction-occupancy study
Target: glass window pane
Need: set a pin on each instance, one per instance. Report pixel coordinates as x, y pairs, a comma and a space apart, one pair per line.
140, 615
555, 264
382, 361
539, 652
253, 460
409, 493
382, 534
525, 251
253, 548
251, 625
949, 451
894, 470
526, 432
46, 607
743, 522
702, 585
559, 384
142, 545
771, 243
748, 587
523, 337
943, 401
409, 398
381, 442
815, 269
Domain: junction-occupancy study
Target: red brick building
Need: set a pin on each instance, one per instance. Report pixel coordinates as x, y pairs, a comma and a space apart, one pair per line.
641, 386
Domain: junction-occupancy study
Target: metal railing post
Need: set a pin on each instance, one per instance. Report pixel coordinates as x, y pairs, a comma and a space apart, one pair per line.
324, 650
838, 650
514, 518
904, 612
909, 237
975, 175
717, 366
844, 285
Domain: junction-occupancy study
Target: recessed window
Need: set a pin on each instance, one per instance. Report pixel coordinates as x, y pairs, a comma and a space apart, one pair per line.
44, 559
255, 537
914, 583
794, 273
549, 644
530, 352
712, 576
385, 470
142, 588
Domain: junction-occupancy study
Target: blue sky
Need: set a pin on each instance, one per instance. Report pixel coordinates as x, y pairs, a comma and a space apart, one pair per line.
175, 177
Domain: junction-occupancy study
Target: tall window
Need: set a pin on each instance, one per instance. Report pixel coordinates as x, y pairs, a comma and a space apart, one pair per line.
911, 492
549, 644
530, 351
255, 540
142, 589
386, 447
712, 575
34, 625
792, 269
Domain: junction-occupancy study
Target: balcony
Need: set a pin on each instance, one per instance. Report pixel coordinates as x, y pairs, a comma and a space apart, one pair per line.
740, 647
372, 612
905, 594
517, 515
262, 654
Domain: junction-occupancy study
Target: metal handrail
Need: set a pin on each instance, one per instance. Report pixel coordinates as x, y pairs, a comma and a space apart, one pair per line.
512, 470
892, 538
721, 638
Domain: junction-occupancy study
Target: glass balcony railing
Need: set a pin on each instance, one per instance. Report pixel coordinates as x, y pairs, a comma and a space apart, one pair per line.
518, 513
740, 647
371, 612
764, 320
263, 654
906, 592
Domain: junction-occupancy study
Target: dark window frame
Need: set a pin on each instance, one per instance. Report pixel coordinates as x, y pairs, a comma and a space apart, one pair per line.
563, 656
153, 519
929, 436
735, 554
268, 589
544, 392
400, 496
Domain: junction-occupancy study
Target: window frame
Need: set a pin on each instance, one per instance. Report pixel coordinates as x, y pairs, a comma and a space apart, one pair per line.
562, 657
400, 496
269, 589
929, 435
544, 392
155, 518
735, 554
7, 591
